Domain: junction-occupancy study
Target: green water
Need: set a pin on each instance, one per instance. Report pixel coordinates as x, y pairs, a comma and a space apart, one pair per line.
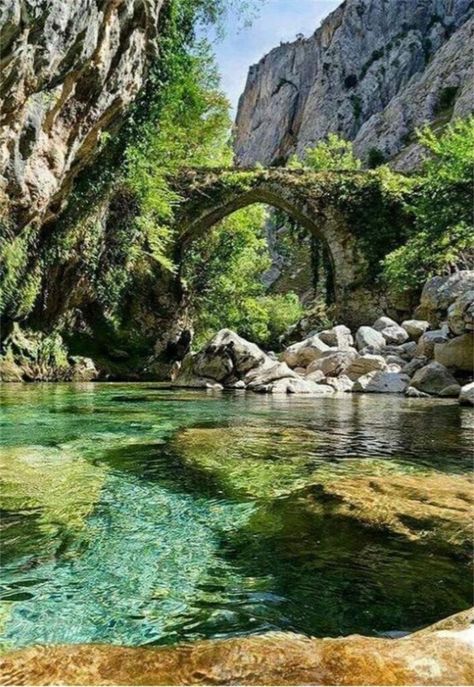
135, 515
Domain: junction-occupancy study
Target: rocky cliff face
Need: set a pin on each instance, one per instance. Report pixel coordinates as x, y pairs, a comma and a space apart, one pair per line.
70, 70
373, 72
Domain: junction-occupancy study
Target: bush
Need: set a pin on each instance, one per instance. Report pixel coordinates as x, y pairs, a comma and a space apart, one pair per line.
443, 238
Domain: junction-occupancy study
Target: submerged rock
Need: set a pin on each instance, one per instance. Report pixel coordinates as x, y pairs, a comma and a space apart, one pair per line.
438, 655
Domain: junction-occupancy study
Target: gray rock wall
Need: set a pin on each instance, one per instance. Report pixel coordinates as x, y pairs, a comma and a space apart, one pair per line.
70, 69
372, 72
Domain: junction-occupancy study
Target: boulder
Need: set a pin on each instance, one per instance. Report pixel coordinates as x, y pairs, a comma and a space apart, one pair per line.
368, 336
269, 372
395, 360
394, 334
316, 376
390, 330
415, 328
342, 383
382, 382
433, 379
225, 359
333, 363
294, 385
414, 365
304, 352
406, 351
439, 292
338, 337
82, 369
427, 341
365, 364
466, 397
383, 322
458, 353
461, 314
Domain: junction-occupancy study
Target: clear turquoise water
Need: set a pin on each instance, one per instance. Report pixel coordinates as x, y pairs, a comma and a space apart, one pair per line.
137, 515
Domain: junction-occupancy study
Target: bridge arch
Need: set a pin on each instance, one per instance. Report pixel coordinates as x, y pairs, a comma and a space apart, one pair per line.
311, 199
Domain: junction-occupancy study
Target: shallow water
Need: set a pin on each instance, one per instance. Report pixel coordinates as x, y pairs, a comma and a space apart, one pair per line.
137, 515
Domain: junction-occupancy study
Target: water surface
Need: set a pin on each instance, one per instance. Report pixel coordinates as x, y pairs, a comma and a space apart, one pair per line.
137, 515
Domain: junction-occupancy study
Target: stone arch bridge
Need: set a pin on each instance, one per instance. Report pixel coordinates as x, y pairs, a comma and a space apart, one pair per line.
354, 213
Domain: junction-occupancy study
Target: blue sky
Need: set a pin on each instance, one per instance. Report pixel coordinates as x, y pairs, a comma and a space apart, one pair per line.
278, 20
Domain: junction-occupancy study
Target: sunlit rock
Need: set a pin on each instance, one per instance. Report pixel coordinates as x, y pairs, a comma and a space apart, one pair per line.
368, 336
303, 353
415, 328
438, 655
338, 337
466, 397
365, 364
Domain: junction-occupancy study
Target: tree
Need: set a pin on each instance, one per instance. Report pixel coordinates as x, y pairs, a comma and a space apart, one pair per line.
333, 153
443, 236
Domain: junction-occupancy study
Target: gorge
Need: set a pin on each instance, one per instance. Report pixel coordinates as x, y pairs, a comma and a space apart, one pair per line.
236, 359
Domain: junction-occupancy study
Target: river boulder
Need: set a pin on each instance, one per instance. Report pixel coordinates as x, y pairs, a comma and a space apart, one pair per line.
364, 364
427, 341
339, 337
461, 314
303, 353
435, 379
382, 382
440, 292
415, 328
333, 363
457, 353
368, 336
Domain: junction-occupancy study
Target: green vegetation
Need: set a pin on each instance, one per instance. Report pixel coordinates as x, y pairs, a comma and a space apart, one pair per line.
442, 238
333, 153
223, 273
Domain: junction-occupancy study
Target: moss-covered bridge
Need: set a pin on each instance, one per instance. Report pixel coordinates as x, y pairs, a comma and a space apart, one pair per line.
359, 215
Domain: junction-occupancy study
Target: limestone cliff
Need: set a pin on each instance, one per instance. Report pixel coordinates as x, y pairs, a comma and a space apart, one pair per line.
69, 72
373, 72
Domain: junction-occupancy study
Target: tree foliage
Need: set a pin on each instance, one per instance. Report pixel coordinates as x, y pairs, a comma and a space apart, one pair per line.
224, 278
442, 240
332, 154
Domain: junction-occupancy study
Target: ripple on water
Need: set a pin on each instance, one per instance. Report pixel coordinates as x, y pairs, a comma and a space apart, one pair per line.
137, 515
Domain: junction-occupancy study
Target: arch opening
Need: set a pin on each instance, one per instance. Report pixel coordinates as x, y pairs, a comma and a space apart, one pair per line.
257, 267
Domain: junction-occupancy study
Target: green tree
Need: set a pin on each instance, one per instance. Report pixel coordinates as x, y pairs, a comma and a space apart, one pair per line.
223, 273
333, 153
443, 237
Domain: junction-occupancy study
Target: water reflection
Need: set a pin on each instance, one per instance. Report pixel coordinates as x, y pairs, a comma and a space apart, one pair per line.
135, 514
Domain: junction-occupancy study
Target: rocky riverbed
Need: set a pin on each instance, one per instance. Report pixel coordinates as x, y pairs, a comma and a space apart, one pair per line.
428, 355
